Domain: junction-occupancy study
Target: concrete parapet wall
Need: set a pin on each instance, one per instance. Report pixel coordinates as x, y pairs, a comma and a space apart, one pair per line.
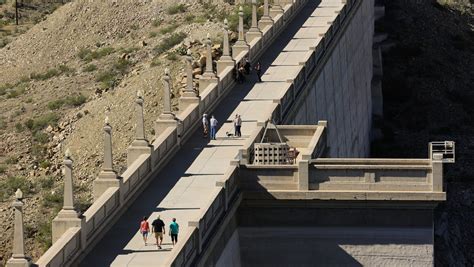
346, 179
361, 175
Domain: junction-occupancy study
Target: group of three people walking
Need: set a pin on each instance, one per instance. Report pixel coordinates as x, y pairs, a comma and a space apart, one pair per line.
158, 228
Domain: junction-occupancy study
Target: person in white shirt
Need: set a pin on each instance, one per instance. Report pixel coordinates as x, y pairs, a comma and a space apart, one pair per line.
237, 125
213, 123
205, 125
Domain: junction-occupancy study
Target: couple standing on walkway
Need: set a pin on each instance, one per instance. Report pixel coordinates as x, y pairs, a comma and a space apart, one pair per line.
205, 125
158, 227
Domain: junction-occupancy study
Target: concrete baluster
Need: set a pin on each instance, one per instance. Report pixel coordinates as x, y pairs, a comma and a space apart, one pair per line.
68, 217
189, 94
265, 20
254, 32
276, 9
189, 90
225, 60
140, 145
18, 257
209, 77
437, 172
167, 117
241, 45
107, 177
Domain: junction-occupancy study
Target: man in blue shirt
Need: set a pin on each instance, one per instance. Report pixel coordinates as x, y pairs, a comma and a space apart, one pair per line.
174, 230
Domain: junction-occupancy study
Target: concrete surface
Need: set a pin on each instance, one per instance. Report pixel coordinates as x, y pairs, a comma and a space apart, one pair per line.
339, 246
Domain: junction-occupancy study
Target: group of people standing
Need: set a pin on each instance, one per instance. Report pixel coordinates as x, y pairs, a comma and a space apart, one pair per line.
244, 67
158, 228
213, 126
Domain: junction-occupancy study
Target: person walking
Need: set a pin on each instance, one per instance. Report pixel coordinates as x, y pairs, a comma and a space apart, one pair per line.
144, 228
205, 126
213, 123
174, 230
247, 65
158, 227
241, 73
237, 125
258, 70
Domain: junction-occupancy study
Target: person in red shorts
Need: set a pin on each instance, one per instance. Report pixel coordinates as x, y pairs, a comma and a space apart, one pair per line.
144, 229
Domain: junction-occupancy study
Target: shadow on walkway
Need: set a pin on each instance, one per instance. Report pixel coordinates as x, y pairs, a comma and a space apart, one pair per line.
126, 227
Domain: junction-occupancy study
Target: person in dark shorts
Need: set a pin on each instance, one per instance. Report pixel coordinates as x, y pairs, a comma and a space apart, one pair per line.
258, 70
158, 227
174, 230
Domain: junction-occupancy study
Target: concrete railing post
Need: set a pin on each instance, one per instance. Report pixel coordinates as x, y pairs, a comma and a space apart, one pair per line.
107, 176
68, 217
254, 32
18, 258
437, 172
140, 145
167, 117
225, 60
303, 175
209, 77
241, 45
265, 20
276, 9
189, 94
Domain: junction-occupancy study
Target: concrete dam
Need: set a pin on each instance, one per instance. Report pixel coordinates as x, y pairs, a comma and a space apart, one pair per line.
296, 189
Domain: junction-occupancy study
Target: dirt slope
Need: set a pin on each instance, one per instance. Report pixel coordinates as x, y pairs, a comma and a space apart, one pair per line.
58, 79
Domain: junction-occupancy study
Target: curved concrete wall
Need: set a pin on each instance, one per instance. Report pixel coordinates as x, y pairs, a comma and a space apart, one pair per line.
340, 90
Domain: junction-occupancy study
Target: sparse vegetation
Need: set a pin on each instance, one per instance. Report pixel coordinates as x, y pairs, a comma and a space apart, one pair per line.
15, 92
55, 104
88, 55
41, 137
42, 122
189, 18
156, 23
106, 79
11, 160
72, 101
3, 168
168, 29
153, 34
169, 42
19, 127
172, 56
11, 184
3, 124
44, 233
45, 164
121, 65
62, 69
155, 61
46, 183
53, 199
175, 9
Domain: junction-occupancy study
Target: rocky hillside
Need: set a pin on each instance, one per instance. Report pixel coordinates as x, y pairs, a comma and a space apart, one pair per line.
428, 96
60, 78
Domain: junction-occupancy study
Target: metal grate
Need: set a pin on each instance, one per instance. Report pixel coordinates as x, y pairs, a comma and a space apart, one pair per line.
271, 153
444, 148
